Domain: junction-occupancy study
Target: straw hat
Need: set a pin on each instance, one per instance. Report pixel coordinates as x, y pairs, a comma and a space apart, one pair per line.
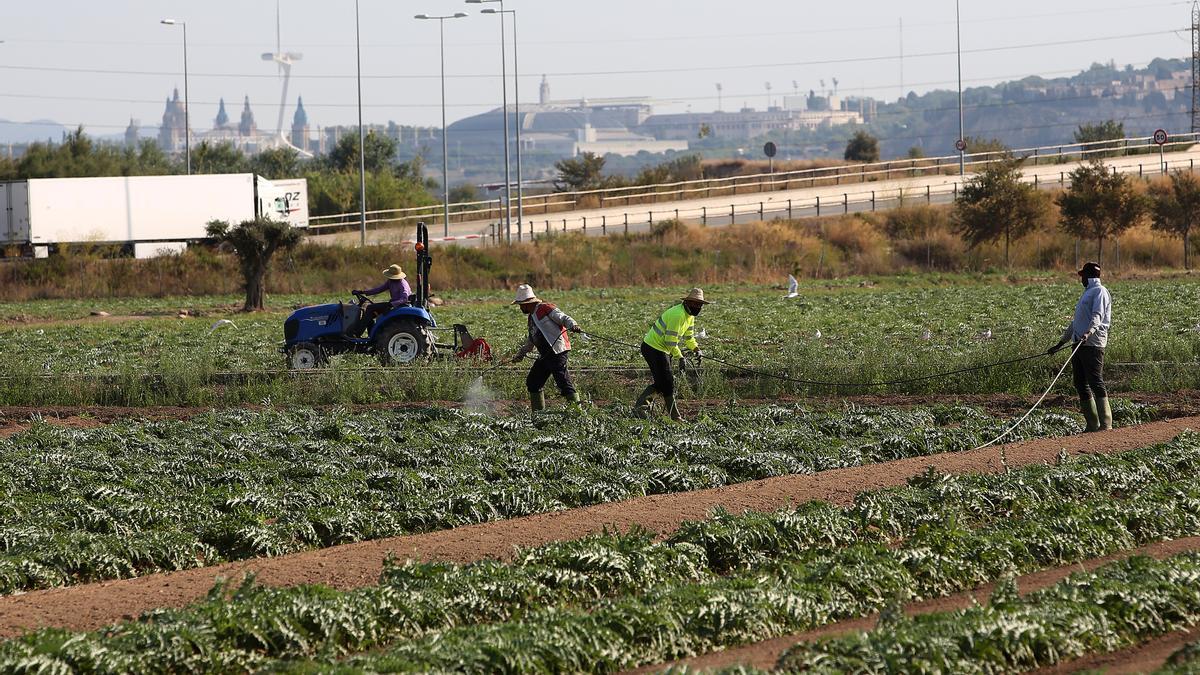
395, 273
525, 295
696, 295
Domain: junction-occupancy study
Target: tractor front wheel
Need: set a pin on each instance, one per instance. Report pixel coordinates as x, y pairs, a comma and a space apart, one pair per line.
402, 342
306, 356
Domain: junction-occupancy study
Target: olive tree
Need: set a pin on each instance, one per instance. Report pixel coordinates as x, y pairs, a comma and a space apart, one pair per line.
255, 242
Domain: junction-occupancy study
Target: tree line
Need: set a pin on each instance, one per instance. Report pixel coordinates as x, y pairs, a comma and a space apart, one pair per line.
1100, 204
333, 185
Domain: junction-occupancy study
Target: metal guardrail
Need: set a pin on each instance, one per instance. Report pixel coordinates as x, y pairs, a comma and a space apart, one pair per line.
849, 202
558, 202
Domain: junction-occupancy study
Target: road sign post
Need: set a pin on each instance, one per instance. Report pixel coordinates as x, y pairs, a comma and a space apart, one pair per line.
770, 150
1160, 137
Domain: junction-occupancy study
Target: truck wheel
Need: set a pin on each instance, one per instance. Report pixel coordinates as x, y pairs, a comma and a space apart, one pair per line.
403, 342
305, 356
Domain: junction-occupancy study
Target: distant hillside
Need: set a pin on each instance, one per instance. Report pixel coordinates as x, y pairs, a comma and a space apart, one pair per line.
29, 132
1037, 111
1023, 113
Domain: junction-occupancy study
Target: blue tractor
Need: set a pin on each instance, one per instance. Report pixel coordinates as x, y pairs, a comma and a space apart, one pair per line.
403, 335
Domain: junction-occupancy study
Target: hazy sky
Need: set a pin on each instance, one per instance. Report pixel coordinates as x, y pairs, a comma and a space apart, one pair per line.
100, 62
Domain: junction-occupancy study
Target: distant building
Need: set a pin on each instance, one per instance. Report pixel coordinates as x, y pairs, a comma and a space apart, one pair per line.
222, 119
301, 133
172, 134
247, 126
567, 128
403, 135
245, 136
747, 123
131, 134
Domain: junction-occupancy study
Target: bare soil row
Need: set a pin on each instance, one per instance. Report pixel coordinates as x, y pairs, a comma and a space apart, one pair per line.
15, 419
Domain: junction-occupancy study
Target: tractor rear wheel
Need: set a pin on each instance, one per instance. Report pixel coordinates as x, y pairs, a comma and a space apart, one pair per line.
403, 342
306, 356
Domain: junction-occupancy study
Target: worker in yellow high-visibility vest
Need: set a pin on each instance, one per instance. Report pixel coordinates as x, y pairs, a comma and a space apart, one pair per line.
663, 341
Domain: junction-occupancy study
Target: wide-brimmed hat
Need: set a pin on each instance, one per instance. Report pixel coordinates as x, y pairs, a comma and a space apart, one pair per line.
395, 273
525, 295
1090, 270
696, 295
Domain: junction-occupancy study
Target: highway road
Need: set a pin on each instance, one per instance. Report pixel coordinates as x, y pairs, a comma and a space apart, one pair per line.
823, 200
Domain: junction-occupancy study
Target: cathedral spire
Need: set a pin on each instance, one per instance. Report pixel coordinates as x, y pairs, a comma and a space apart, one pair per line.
222, 120
300, 119
247, 127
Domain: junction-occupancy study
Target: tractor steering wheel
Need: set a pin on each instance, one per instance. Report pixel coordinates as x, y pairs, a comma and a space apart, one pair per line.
362, 299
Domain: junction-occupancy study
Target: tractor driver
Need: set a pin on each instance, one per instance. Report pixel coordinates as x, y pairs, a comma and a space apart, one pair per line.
396, 285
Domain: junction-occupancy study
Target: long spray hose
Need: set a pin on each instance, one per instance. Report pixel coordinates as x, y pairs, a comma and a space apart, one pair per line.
845, 385
878, 383
948, 373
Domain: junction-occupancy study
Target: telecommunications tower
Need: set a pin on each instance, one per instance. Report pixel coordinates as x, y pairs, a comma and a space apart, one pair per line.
285, 61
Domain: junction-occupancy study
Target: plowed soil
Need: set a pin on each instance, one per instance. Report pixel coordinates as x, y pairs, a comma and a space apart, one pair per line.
91, 606
765, 654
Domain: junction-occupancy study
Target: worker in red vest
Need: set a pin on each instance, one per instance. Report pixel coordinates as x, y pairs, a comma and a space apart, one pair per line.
548, 327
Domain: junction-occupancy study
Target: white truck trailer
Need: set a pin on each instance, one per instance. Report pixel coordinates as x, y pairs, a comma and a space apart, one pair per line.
147, 214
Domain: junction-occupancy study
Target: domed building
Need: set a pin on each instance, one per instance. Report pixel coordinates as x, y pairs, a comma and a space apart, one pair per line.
565, 128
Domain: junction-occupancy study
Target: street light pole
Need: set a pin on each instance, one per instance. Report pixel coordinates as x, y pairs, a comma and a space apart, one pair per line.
362, 136
520, 123
962, 150
520, 118
445, 146
504, 103
187, 123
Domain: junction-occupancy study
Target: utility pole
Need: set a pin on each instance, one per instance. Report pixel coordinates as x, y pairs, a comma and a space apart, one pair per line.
362, 137
441, 19
504, 105
962, 144
520, 123
1195, 66
187, 122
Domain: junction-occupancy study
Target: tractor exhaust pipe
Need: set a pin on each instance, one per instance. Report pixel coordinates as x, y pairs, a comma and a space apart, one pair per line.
424, 262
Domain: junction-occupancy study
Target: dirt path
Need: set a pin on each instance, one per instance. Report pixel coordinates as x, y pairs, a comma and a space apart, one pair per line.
765, 654
1146, 657
354, 565
14, 419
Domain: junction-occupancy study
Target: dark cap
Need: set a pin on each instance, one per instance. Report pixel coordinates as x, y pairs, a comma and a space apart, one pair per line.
1090, 270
